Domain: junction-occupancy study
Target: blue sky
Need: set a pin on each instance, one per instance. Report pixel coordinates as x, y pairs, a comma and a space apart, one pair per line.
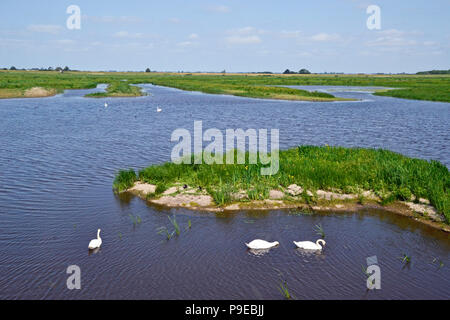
238, 36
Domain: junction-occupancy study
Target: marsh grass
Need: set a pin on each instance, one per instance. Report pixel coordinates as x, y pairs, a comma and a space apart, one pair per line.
440, 262
308, 199
160, 188
177, 230
283, 288
136, 220
364, 270
165, 231
406, 259
387, 173
222, 195
361, 198
118, 89
124, 180
174, 223
189, 226
422, 87
319, 230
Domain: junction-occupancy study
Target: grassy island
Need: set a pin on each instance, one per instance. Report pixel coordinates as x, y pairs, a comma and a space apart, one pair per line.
118, 89
308, 174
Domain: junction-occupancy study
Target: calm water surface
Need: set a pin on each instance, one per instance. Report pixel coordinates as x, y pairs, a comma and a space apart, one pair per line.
58, 157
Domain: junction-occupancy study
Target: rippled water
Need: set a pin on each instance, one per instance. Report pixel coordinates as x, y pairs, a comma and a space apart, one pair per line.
59, 155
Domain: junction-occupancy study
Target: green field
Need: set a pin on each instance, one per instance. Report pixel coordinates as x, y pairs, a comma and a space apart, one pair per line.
423, 87
390, 175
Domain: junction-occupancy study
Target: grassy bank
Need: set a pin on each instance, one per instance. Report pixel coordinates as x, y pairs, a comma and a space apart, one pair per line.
239, 86
422, 87
350, 170
432, 88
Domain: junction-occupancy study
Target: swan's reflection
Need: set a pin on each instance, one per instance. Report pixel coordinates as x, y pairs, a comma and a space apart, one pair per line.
308, 252
258, 252
94, 251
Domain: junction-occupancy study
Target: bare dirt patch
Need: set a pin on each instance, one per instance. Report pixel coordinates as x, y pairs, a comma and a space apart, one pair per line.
184, 196
38, 92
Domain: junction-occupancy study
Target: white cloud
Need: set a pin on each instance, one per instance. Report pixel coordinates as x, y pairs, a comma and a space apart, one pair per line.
239, 39
322, 37
430, 43
245, 35
174, 20
184, 43
396, 38
392, 38
398, 33
290, 34
391, 42
220, 9
245, 31
45, 28
65, 41
193, 36
112, 19
126, 34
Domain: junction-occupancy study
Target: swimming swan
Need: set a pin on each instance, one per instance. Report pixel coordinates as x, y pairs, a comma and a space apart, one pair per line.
106, 105
310, 245
96, 243
158, 109
259, 244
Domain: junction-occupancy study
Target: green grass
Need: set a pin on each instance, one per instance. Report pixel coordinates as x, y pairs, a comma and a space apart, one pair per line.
135, 219
240, 87
406, 259
284, 290
319, 231
421, 87
124, 180
118, 89
389, 174
165, 231
177, 229
174, 223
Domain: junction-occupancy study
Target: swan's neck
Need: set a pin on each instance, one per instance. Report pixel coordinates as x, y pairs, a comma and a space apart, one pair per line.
98, 234
318, 243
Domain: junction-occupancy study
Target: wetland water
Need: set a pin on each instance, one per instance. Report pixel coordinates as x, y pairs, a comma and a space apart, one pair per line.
58, 157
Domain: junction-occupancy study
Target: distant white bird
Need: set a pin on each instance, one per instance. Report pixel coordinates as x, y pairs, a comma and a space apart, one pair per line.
158, 109
106, 105
309, 245
259, 244
96, 243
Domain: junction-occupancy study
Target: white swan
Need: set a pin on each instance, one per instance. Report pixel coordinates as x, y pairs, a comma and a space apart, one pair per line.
310, 245
259, 244
106, 105
96, 243
158, 109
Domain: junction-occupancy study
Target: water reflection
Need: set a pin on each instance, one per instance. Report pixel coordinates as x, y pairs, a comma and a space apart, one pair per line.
258, 252
93, 251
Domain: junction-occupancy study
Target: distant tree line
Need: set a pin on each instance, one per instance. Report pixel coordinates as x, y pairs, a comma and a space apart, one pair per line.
59, 69
302, 71
435, 72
